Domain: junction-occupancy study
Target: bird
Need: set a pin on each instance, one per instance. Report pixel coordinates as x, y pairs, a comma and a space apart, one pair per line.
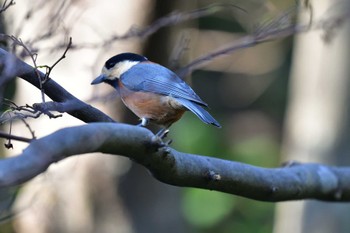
151, 91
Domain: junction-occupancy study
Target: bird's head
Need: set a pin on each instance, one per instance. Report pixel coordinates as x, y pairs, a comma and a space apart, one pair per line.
116, 66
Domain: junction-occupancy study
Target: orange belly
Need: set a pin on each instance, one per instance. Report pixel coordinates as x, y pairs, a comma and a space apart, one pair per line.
162, 110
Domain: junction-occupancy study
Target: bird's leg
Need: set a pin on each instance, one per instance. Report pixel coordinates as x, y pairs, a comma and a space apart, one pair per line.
161, 135
164, 131
144, 122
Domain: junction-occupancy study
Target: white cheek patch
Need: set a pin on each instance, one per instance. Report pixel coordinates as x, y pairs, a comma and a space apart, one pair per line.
119, 69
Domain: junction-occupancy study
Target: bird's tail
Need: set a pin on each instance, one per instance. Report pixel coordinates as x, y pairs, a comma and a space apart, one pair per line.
199, 112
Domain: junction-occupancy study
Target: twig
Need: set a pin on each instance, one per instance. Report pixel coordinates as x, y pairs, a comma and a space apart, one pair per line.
83, 111
9, 145
180, 48
33, 56
244, 42
6, 5
30, 112
169, 20
36, 110
29, 128
173, 19
50, 68
280, 28
9, 136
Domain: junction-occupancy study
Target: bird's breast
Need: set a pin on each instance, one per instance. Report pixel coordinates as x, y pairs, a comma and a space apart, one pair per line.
161, 109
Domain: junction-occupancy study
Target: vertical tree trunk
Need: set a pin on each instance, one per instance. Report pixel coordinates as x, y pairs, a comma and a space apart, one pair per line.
318, 117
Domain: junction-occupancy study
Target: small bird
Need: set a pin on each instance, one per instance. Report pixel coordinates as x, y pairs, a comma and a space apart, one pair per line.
151, 91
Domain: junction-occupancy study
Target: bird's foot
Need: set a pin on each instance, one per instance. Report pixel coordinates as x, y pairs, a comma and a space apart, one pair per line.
158, 141
162, 133
158, 138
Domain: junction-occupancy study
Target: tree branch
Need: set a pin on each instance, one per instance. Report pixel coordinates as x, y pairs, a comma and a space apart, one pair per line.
6, 5
299, 181
82, 111
14, 137
279, 28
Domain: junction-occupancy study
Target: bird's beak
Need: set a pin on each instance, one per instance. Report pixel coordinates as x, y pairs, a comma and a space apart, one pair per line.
99, 79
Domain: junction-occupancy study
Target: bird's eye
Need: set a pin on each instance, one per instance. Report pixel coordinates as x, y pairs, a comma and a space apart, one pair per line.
109, 64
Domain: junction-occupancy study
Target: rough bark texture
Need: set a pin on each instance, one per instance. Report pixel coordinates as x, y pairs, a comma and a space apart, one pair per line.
298, 181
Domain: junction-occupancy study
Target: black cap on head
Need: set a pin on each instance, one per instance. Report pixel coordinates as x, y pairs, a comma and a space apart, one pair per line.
124, 57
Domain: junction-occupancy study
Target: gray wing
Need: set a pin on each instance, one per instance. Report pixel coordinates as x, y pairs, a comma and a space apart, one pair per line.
150, 77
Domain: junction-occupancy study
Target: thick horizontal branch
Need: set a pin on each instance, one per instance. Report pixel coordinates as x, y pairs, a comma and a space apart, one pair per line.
300, 181
82, 111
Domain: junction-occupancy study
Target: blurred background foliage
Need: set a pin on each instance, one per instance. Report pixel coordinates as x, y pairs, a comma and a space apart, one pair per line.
247, 94
250, 103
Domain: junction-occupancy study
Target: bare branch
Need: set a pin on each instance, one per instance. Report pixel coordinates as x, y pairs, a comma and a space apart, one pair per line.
14, 113
279, 28
50, 68
33, 56
6, 5
245, 42
9, 145
27, 111
29, 128
82, 111
51, 20
173, 18
48, 107
176, 168
166, 164
13, 137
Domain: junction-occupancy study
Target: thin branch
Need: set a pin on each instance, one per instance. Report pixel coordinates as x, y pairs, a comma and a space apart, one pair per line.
51, 17
50, 68
31, 131
279, 28
8, 144
82, 111
245, 42
9, 136
27, 111
63, 107
176, 168
33, 56
173, 18
178, 51
6, 5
